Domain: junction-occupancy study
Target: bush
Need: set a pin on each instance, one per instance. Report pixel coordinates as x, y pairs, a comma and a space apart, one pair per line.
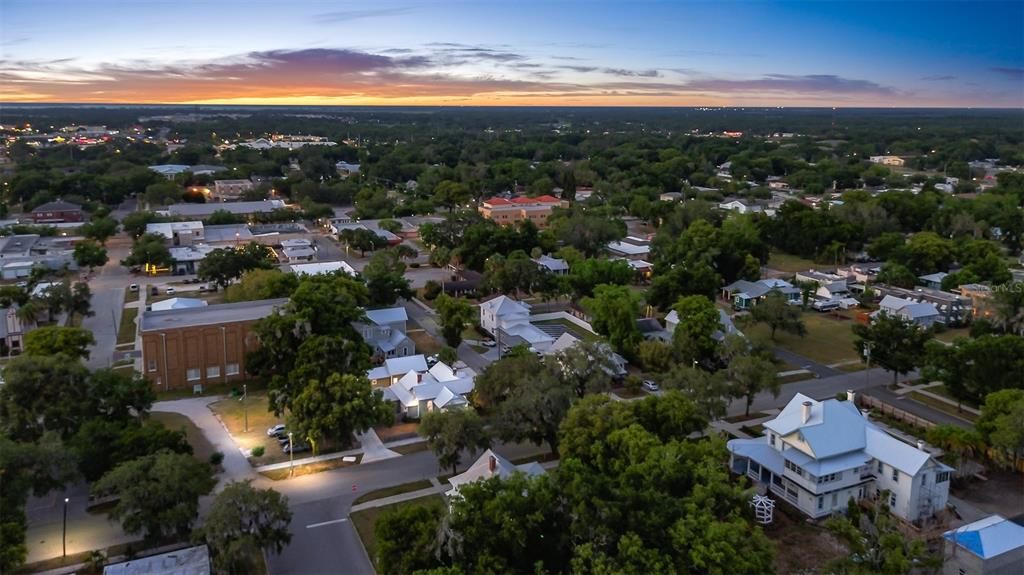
216, 458
632, 383
431, 290
939, 327
258, 451
414, 265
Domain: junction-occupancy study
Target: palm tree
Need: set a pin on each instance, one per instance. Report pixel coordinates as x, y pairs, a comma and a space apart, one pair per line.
1008, 308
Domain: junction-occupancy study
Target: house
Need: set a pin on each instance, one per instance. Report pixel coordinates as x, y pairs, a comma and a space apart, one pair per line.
12, 331
955, 309
169, 171
568, 340
552, 265
298, 254
508, 321
777, 183
385, 332
933, 281
190, 561
630, 248
318, 268
817, 455
178, 303
489, 465
179, 233
643, 269
887, 160
816, 277
192, 347
515, 210
924, 314
741, 206
671, 197
834, 290
227, 190
57, 212
745, 294
394, 368
185, 259
346, 169
421, 390
727, 327
990, 546
202, 211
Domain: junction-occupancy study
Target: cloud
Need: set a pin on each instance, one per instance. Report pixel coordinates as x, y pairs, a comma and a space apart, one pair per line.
939, 78
806, 84
350, 15
632, 73
578, 68
1011, 73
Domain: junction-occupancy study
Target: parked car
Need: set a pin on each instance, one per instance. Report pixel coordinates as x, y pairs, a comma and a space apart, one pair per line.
283, 439
505, 349
650, 385
133, 287
153, 290
169, 291
298, 448
432, 360
277, 430
825, 305
488, 343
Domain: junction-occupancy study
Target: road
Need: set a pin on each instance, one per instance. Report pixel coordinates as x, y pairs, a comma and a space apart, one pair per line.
919, 409
822, 388
818, 369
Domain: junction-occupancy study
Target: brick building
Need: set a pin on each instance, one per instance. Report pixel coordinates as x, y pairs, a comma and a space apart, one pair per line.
508, 212
225, 190
183, 348
57, 212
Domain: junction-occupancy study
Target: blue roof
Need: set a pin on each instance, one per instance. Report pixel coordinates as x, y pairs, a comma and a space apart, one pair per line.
988, 537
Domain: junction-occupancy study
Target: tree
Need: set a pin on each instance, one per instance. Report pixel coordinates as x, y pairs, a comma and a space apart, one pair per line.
73, 342
406, 539
449, 433
877, 546
450, 194
260, 284
775, 312
385, 278
1001, 423
589, 273
973, 368
586, 367
43, 393
337, 407
927, 252
224, 265
89, 254
135, 223
957, 441
99, 229
709, 391
149, 251
361, 239
1008, 308
455, 314
749, 375
896, 344
897, 275
244, 522
223, 218
158, 495
655, 356
694, 336
614, 311
102, 444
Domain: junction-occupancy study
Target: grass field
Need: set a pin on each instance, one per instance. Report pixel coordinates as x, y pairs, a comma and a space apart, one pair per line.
952, 333
201, 448
942, 406
829, 339
425, 343
789, 263
126, 330
365, 520
794, 377
232, 413
410, 448
279, 474
941, 390
130, 296
389, 491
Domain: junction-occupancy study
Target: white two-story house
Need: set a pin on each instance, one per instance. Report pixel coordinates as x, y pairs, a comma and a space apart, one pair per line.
508, 321
817, 455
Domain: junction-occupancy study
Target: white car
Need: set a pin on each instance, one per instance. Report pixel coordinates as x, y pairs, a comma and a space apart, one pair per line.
170, 291
650, 385
276, 430
488, 343
133, 287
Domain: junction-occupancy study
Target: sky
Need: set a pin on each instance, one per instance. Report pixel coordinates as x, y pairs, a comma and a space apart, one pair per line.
908, 53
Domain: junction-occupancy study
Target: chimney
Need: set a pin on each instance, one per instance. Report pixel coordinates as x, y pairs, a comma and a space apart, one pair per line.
920, 445
851, 396
807, 411
492, 464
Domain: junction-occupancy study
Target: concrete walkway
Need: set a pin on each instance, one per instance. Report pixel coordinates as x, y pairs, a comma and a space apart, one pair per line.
236, 466
373, 447
391, 500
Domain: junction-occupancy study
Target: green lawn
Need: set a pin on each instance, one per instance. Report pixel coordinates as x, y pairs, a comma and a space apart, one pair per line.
425, 343
365, 520
941, 390
788, 263
126, 330
793, 377
829, 340
942, 406
952, 333
201, 447
389, 491
130, 296
309, 469
409, 448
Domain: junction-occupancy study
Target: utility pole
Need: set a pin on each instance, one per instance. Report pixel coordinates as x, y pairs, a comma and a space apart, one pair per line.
291, 454
64, 536
245, 407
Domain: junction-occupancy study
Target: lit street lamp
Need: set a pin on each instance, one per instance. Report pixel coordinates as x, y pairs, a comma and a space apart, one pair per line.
64, 536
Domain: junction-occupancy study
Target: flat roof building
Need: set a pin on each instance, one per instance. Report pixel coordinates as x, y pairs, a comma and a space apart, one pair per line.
237, 208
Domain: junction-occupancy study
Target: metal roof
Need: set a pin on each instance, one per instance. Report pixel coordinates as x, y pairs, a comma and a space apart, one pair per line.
988, 537
210, 315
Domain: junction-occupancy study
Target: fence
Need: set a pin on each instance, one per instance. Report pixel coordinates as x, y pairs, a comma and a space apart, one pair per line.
872, 402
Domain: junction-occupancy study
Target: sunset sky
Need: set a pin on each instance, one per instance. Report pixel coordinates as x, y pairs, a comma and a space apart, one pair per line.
555, 52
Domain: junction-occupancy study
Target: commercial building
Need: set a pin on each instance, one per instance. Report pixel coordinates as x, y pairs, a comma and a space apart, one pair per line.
817, 455
515, 210
190, 561
186, 348
202, 211
318, 268
178, 233
227, 190
12, 331
57, 212
630, 248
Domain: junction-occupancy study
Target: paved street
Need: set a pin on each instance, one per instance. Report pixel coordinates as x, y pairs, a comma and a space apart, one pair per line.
823, 388
818, 369
919, 409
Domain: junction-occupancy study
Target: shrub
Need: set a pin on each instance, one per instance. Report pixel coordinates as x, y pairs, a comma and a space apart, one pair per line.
431, 290
216, 458
258, 451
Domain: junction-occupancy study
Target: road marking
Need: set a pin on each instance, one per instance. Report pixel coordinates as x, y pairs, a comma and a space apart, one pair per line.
312, 525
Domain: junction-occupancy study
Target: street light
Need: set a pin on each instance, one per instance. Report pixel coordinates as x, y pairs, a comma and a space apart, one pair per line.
291, 454
64, 536
245, 408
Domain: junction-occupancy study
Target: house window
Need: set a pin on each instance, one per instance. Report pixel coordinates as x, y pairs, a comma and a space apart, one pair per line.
942, 477
231, 369
835, 499
895, 475
192, 374
879, 467
924, 480
821, 502
892, 500
151, 365
213, 371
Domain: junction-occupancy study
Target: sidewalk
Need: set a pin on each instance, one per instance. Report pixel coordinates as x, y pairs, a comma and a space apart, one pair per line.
339, 455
